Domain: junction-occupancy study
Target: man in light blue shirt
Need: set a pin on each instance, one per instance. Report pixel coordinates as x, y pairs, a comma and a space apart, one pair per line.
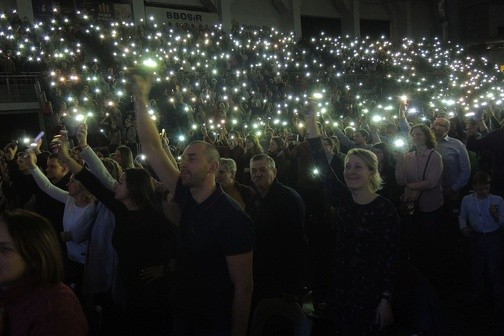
481, 220
456, 165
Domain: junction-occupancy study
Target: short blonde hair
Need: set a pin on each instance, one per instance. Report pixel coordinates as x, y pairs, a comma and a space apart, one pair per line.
371, 161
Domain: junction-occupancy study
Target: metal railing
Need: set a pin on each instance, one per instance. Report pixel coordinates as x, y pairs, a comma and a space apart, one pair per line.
18, 88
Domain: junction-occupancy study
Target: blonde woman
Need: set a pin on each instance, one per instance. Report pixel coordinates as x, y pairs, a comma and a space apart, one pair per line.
362, 268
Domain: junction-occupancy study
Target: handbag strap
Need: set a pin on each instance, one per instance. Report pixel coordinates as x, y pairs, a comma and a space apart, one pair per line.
424, 171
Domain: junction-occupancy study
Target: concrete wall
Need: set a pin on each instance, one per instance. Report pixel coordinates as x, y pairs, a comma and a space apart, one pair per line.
496, 18
373, 10
191, 3
424, 18
320, 8
7, 5
257, 13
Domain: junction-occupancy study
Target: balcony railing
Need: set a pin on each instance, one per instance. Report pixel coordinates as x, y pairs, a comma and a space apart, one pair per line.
18, 88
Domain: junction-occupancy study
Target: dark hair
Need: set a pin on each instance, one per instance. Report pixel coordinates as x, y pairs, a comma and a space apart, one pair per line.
363, 132
211, 152
256, 149
140, 187
112, 167
126, 157
387, 156
53, 156
430, 139
279, 142
481, 178
37, 243
335, 146
104, 152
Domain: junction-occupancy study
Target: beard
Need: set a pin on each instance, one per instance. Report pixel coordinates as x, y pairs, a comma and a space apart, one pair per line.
192, 180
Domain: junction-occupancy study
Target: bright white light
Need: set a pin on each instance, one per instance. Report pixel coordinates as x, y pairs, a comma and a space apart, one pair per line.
399, 143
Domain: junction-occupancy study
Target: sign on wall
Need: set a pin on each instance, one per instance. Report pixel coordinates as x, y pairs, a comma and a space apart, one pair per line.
173, 16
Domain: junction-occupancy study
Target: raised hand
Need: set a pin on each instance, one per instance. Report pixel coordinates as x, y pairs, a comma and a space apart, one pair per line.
30, 159
311, 121
81, 135
142, 86
60, 144
165, 141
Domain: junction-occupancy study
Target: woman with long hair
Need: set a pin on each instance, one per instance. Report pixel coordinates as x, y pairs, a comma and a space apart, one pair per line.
32, 295
124, 157
144, 242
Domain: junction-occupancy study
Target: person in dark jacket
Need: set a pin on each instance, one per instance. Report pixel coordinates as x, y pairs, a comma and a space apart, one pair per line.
281, 246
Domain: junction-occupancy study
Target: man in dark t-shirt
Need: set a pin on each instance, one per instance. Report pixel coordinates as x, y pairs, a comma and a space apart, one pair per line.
213, 287
209, 232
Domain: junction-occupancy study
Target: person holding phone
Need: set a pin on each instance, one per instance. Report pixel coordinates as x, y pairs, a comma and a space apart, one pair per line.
481, 220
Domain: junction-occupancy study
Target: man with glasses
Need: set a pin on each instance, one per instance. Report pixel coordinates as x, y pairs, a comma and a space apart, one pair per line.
456, 165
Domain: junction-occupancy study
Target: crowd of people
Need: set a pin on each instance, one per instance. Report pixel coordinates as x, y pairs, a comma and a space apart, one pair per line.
330, 170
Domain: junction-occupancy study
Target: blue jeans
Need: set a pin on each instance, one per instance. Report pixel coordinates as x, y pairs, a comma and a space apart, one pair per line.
486, 252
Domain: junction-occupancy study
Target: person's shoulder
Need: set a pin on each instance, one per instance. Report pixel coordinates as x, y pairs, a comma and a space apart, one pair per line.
467, 197
285, 193
245, 190
226, 207
385, 205
436, 153
383, 201
60, 289
53, 293
454, 141
228, 211
497, 198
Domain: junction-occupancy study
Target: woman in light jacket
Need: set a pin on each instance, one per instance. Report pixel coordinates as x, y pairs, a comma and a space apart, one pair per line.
419, 171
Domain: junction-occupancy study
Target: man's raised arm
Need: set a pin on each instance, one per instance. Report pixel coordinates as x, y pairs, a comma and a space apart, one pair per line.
149, 136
